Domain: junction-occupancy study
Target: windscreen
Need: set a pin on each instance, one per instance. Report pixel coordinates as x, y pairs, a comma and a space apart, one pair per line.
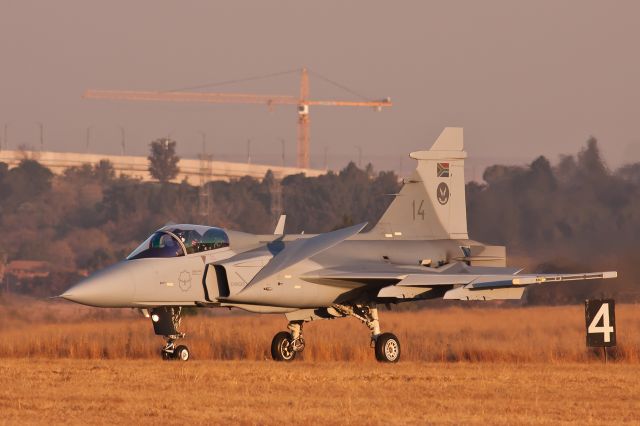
160, 244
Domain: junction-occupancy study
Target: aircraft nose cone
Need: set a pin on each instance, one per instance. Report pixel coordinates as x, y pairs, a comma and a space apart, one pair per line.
112, 287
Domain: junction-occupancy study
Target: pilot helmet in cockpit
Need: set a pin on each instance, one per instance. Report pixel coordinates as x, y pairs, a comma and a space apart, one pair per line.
190, 238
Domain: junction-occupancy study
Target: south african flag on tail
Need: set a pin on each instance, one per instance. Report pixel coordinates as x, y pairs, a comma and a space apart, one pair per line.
443, 169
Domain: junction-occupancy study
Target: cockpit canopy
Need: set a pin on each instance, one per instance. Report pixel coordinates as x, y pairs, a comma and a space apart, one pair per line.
178, 240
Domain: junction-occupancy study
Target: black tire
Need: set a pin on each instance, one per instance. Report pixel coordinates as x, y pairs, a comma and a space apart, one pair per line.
182, 353
281, 347
387, 348
166, 356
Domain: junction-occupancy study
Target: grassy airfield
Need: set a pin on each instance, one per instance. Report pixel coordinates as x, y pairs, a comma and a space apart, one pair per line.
264, 392
64, 363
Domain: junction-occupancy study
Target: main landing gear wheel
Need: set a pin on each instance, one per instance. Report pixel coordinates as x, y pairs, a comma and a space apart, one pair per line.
387, 348
282, 347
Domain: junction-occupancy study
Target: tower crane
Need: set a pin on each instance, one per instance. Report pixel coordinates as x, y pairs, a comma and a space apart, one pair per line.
302, 102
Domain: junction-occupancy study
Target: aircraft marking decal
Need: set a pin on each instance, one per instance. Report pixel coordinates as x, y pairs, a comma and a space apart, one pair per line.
419, 211
443, 170
184, 280
442, 193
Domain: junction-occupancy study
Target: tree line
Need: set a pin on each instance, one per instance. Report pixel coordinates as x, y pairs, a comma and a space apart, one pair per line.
575, 215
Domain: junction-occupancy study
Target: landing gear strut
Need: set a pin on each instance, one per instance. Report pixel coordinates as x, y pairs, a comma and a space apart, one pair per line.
286, 344
166, 321
386, 345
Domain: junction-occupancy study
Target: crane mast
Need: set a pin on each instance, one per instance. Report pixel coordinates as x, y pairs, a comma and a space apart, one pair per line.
303, 121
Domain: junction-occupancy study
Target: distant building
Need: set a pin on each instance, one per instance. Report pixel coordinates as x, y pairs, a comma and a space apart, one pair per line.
25, 269
194, 171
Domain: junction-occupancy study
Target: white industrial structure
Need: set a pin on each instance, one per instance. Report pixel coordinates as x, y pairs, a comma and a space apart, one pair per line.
191, 170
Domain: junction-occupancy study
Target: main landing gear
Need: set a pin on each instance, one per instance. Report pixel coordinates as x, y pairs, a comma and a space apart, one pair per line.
386, 345
286, 344
166, 321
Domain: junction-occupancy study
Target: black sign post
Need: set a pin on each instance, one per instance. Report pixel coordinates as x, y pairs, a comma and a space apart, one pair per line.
600, 319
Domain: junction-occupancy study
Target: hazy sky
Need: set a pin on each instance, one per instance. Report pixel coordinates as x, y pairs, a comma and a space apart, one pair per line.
522, 78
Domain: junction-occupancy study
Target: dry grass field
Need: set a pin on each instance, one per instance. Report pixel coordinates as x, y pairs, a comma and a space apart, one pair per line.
64, 363
480, 333
65, 391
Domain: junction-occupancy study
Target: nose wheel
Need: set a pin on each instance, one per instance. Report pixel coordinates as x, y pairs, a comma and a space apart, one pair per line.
182, 353
171, 352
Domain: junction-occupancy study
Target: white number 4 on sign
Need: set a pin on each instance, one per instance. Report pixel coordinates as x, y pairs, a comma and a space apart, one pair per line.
600, 321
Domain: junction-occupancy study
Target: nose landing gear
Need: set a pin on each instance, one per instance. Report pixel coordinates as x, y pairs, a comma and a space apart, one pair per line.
166, 321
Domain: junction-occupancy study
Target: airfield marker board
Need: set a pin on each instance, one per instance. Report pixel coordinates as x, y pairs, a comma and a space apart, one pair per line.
600, 320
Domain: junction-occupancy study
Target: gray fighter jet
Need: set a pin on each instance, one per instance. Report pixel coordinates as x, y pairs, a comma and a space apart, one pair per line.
418, 250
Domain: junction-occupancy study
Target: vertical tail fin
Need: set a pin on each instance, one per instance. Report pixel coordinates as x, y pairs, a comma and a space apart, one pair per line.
431, 204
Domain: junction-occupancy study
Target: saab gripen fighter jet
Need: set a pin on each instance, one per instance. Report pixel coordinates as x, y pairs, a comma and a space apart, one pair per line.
418, 250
